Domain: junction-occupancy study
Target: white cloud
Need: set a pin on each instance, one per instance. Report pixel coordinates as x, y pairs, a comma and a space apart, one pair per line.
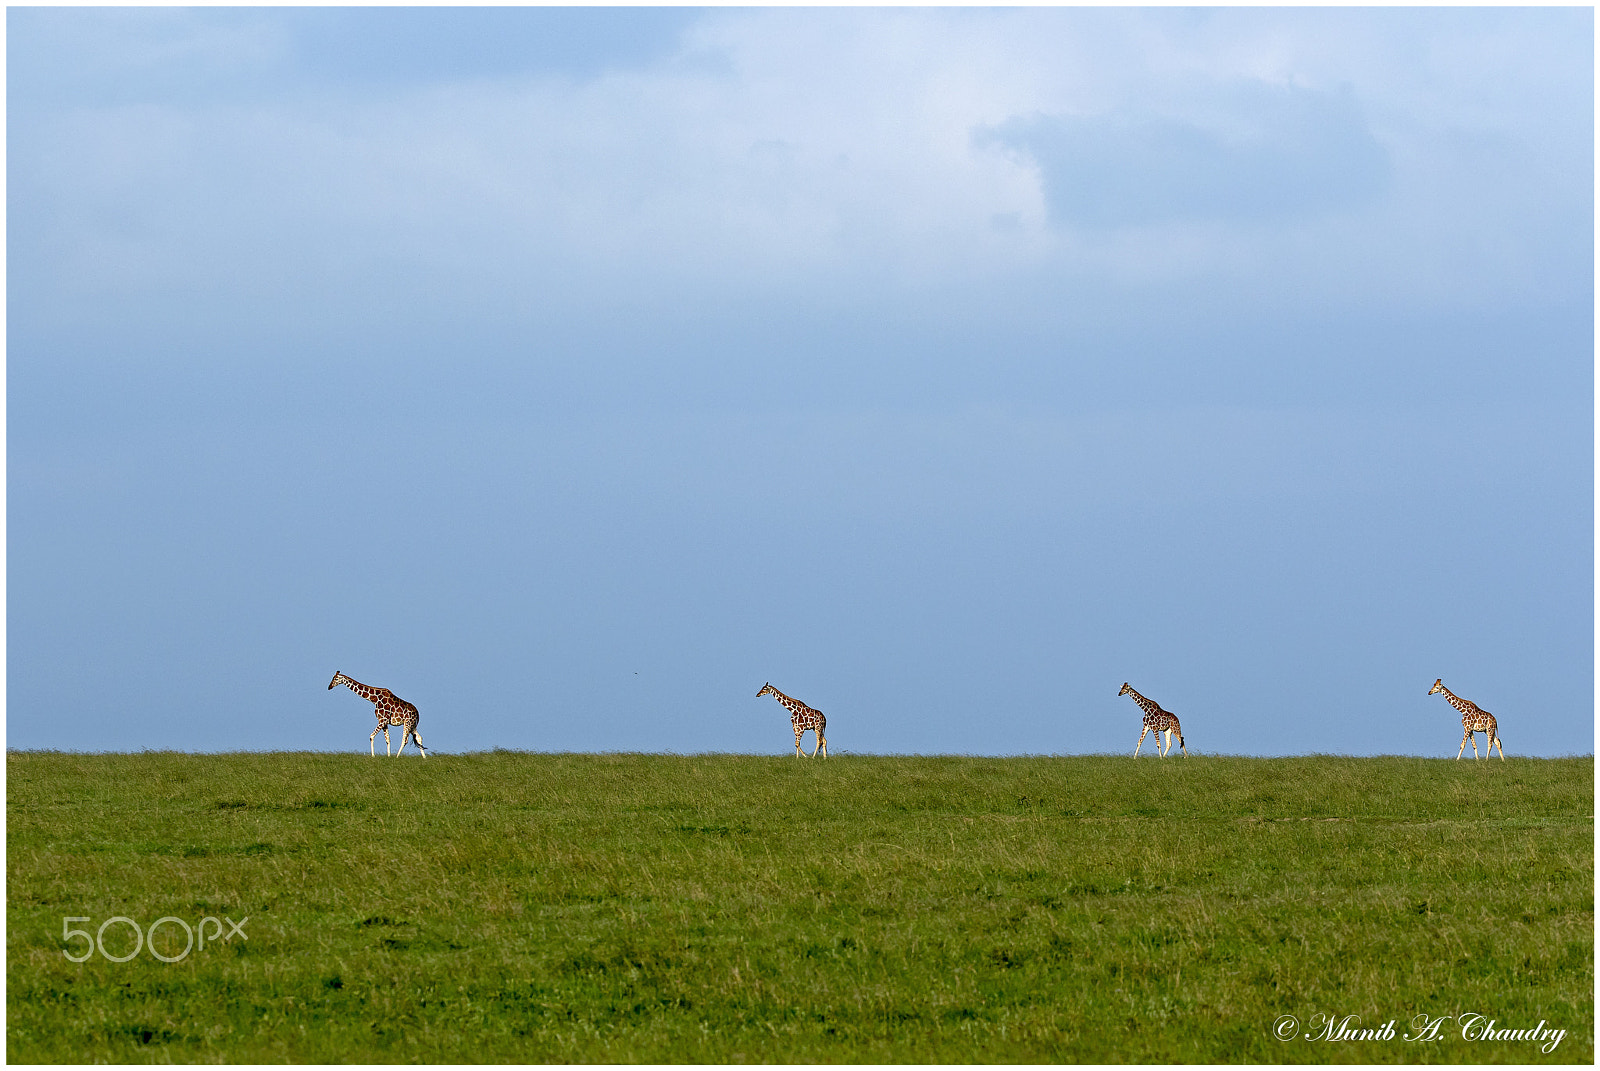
818, 155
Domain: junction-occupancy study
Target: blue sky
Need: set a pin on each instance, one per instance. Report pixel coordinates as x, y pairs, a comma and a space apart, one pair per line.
573, 373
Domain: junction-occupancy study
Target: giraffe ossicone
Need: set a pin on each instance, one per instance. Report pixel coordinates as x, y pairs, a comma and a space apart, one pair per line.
1157, 720
1474, 719
390, 709
803, 718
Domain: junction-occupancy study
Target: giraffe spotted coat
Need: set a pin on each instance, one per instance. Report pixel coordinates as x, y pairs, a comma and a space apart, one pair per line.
803, 718
1155, 720
390, 709
1474, 719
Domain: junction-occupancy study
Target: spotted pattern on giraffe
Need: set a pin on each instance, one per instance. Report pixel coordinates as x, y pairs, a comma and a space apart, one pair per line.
1157, 721
390, 710
1474, 719
803, 718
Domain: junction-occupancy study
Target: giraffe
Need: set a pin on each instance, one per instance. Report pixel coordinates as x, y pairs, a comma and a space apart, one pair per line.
1474, 719
1161, 721
803, 718
391, 710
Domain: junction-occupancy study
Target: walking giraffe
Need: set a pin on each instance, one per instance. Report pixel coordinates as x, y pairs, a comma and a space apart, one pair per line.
391, 710
803, 717
1161, 721
1474, 719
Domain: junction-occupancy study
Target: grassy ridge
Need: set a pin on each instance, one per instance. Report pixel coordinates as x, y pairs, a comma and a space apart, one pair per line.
518, 907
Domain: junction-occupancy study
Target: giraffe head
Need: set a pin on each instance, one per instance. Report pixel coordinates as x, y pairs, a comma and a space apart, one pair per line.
1125, 689
1438, 686
338, 678
766, 689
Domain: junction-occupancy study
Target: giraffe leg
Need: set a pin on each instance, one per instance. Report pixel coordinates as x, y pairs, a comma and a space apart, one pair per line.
386, 742
1463, 746
403, 736
1140, 744
819, 744
1474, 738
822, 743
417, 737
1501, 746
797, 735
372, 742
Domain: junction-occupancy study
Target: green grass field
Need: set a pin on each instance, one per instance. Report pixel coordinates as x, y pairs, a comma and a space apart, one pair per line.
527, 907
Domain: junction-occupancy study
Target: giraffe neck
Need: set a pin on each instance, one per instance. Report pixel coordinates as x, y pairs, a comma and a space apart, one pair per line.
366, 692
794, 705
1149, 706
1463, 705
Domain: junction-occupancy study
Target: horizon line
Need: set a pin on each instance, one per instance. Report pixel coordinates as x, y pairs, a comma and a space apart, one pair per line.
10, 750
